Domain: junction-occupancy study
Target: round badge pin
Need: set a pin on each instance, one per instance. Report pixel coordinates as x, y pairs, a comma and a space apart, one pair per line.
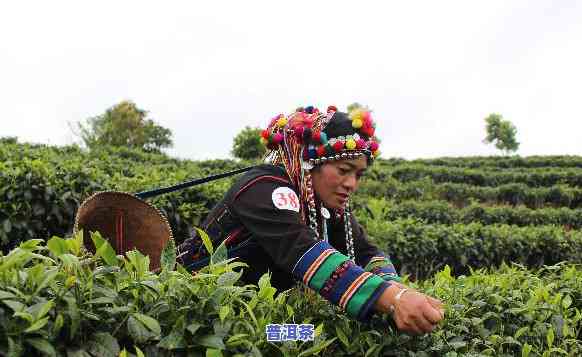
325, 213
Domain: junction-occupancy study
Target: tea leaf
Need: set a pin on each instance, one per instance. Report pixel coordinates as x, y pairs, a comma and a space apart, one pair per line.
526, 349
31, 244
251, 313
210, 352
6, 295
193, 327
73, 314
550, 337
566, 301
101, 300
41, 309
138, 352
37, 325
228, 278
57, 246
211, 341
42, 345
70, 262
71, 280
342, 336
16, 306
205, 240
24, 315
58, 325
49, 276
75, 243
318, 330
168, 258
224, 310
317, 348
173, 341
103, 345
103, 249
220, 255
137, 330
149, 322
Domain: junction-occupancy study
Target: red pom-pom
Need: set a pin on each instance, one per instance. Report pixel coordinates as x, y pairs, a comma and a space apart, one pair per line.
265, 134
374, 146
316, 136
368, 131
360, 144
321, 150
367, 122
308, 122
332, 108
338, 146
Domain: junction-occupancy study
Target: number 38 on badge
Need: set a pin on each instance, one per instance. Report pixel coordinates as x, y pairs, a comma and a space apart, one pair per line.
285, 198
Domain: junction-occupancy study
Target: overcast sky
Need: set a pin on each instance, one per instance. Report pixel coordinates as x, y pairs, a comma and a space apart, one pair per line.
430, 70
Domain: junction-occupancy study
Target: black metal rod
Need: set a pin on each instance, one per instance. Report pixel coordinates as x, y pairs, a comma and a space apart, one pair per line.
160, 191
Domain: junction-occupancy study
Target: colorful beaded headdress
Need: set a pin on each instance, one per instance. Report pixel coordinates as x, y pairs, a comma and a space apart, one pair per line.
331, 136
307, 138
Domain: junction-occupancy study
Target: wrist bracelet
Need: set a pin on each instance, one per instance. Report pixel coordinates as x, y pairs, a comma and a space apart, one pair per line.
392, 308
399, 295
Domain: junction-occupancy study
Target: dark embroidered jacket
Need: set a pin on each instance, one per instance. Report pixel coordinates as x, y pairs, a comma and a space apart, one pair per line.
275, 240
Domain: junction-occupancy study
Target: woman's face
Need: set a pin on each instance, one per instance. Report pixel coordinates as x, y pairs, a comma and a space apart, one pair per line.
334, 182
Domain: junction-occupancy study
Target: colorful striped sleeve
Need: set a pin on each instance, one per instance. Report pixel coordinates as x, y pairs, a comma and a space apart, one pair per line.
339, 280
382, 266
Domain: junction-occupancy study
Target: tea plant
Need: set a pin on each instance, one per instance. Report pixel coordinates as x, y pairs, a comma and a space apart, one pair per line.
59, 300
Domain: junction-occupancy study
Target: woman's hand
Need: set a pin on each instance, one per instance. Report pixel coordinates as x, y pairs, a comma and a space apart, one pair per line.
417, 313
413, 312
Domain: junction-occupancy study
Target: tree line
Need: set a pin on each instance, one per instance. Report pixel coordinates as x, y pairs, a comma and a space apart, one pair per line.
126, 125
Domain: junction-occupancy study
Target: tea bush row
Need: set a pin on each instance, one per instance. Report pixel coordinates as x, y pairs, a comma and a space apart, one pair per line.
56, 300
462, 194
42, 187
443, 212
487, 177
505, 162
421, 249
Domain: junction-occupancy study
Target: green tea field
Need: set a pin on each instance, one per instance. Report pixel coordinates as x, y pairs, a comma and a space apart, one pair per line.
498, 239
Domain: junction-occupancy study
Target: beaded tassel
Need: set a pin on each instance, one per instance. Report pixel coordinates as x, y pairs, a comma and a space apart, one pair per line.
311, 204
324, 228
348, 232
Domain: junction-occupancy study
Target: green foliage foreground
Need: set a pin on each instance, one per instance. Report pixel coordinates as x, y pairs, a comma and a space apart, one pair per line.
58, 300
